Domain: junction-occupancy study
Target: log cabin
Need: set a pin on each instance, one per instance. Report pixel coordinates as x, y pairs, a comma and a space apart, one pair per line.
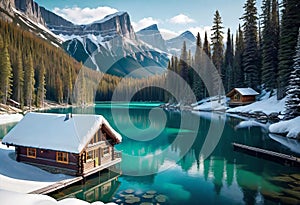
72, 144
241, 96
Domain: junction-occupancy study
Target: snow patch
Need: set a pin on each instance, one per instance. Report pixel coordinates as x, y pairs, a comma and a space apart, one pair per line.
211, 104
289, 127
9, 118
251, 123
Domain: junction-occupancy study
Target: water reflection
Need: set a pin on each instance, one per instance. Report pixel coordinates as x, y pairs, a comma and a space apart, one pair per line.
100, 187
5, 128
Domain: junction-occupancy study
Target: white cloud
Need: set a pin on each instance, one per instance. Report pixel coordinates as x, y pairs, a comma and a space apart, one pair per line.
143, 23
181, 19
84, 15
168, 34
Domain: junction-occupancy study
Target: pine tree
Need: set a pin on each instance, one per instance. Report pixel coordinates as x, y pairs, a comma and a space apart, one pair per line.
198, 85
41, 91
217, 47
183, 66
18, 80
270, 35
206, 46
250, 55
238, 72
293, 92
5, 72
29, 81
228, 64
70, 85
217, 42
290, 22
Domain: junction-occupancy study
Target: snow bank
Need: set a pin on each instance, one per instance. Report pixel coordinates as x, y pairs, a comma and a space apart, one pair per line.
289, 127
8, 118
266, 106
9, 197
292, 144
250, 123
211, 104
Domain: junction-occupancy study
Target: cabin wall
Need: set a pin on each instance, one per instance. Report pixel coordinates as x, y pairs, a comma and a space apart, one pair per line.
249, 98
237, 97
99, 151
46, 159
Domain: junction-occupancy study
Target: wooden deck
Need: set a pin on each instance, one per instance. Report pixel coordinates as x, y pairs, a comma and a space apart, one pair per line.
284, 159
57, 186
68, 182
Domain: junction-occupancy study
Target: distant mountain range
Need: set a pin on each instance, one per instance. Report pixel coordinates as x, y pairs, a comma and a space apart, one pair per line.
109, 45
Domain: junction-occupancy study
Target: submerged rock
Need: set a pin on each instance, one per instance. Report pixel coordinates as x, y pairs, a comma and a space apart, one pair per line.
151, 192
161, 198
132, 200
148, 196
129, 191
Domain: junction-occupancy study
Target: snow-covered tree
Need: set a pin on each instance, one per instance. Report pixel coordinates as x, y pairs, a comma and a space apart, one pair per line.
293, 92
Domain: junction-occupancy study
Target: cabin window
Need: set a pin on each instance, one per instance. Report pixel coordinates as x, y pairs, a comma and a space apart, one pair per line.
237, 97
89, 155
31, 152
106, 151
62, 157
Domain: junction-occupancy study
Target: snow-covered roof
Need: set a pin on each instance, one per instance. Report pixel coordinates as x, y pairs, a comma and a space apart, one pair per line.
54, 132
244, 91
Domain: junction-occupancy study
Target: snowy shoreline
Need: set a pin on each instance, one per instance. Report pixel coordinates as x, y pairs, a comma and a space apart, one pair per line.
19, 179
268, 108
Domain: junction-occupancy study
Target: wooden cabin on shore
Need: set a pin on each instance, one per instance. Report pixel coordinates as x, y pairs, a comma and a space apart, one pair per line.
241, 96
64, 143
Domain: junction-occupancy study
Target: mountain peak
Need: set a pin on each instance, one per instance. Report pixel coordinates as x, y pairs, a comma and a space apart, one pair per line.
188, 35
111, 16
153, 27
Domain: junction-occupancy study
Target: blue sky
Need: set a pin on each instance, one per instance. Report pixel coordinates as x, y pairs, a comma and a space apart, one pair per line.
172, 16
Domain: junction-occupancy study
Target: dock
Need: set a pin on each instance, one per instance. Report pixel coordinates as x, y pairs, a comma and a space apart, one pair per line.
284, 159
67, 182
57, 186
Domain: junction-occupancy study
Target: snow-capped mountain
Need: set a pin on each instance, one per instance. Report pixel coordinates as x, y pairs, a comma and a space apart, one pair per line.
27, 14
152, 36
174, 45
109, 45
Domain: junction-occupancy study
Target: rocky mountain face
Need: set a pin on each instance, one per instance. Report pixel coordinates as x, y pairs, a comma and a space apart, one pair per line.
31, 9
110, 45
27, 7
52, 20
174, 45
152, 36
109, 27
6, 9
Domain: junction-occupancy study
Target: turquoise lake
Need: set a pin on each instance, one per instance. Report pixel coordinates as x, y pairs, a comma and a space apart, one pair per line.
185, 158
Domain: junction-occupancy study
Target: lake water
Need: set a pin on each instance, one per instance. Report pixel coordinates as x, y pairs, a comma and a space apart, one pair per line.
186, 158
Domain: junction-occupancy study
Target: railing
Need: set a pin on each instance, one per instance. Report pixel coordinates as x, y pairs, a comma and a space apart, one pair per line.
117, 155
